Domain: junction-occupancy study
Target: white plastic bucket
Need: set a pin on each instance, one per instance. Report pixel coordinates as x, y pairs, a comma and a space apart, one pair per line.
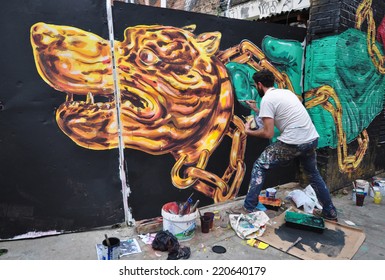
182, 227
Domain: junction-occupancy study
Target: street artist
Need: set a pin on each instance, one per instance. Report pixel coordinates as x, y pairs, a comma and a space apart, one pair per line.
298, 139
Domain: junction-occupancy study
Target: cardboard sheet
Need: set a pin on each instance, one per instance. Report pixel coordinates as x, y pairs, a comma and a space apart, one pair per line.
336, 242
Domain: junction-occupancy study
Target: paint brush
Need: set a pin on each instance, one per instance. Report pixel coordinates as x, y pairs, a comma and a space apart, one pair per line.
294, 243
192, 209
107, 240
185, 205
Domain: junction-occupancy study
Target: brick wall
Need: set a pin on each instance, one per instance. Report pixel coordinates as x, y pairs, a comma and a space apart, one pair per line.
328, 17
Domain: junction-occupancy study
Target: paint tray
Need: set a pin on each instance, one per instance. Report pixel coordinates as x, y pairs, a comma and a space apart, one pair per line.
270, 203
304, 221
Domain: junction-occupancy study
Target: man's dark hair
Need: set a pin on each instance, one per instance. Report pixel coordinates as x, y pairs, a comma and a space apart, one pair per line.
265, 77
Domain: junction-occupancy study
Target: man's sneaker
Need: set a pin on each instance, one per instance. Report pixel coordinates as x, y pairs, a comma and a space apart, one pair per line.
331, 216
260, 207
239, 210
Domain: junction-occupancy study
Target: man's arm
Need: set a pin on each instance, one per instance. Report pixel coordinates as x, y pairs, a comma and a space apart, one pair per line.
266, 132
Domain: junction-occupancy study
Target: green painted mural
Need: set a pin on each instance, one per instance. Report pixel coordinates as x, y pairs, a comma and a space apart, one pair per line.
343, 83
343, 62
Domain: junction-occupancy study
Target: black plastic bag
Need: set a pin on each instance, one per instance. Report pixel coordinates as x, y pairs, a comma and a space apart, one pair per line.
166, 241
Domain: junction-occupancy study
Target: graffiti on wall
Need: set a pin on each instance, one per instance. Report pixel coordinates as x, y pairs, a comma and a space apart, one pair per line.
356, 87
176, 96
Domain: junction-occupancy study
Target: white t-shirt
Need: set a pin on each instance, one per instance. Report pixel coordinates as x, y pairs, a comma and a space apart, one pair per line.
290, 116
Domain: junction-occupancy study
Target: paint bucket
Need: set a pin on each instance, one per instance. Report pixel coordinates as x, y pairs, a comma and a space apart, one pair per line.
181, 226
363, 185
270, 193
111, 251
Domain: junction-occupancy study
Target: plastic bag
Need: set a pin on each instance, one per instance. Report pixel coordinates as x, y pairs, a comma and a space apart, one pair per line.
166, 241
306, 198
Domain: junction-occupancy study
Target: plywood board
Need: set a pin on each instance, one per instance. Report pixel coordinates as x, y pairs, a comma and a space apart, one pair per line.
336, 242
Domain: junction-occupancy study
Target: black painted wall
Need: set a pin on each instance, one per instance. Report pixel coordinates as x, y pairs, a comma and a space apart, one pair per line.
48, 183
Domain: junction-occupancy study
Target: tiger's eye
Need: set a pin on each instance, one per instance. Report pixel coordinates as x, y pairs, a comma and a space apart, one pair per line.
148, 57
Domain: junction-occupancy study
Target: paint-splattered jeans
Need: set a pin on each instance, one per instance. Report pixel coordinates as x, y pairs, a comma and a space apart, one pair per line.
280, 153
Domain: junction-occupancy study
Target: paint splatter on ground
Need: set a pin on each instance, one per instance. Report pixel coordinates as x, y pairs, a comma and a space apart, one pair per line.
329, 242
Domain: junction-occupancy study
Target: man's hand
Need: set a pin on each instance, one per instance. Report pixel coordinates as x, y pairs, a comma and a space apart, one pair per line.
266, 132
248, 126
252, 105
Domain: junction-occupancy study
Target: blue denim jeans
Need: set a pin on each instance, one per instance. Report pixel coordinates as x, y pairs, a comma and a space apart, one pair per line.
280, 153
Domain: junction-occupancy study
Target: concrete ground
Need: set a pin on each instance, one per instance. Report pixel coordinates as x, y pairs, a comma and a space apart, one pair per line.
81, 246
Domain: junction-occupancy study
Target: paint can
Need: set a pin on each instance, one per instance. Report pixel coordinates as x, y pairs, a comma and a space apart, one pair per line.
270, 193
363, 185
181, 226
111, 249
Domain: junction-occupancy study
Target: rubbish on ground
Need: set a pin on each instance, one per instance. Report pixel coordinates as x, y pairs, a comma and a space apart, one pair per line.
129, 246
149, 225
306, 198
304, 221
350, 223
250, 225
147, 238
293, 244
219, 249
257, 244
166, 241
